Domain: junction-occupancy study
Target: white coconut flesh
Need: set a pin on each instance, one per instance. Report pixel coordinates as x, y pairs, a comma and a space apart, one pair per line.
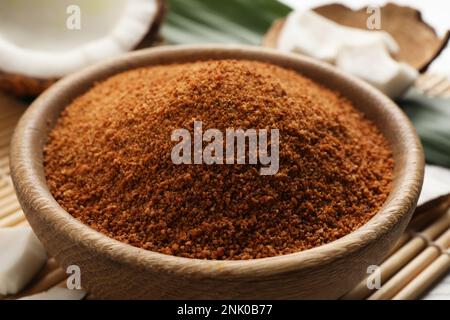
35, 39
309, 33
365, 54
373, 64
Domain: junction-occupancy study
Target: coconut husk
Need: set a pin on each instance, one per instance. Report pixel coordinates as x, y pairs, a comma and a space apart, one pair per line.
26, 87
23, 86
152, 38
419, 44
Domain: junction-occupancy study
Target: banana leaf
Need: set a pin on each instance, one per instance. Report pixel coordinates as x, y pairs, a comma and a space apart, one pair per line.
220, 21
431, 117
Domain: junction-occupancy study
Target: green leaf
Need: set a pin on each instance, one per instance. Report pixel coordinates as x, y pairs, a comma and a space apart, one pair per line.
220, 21
431, 117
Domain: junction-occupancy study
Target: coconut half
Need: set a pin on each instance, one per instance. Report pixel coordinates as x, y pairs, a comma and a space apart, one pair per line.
44, 40
418, 42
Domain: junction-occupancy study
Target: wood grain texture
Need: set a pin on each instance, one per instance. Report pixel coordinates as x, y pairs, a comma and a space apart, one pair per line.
111, 269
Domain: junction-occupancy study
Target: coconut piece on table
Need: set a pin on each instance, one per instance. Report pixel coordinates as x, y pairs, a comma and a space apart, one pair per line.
21, 257
374, 64
418, 41
365, 54
311, 34
58, 37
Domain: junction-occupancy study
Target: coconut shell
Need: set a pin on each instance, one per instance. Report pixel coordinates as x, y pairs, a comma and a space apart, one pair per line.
418, 42
152, 38
22, 86
26, 87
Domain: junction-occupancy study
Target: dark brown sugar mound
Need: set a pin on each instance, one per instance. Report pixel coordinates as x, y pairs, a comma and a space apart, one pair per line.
108, 162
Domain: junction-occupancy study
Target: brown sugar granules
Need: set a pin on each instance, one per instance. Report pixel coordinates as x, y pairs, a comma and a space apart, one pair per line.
108, 162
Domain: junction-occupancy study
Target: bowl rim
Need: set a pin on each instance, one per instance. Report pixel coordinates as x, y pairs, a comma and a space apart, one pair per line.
34, 196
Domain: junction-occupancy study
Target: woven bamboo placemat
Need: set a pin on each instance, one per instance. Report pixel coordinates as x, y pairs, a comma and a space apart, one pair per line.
419, 259
433, 85
10, 212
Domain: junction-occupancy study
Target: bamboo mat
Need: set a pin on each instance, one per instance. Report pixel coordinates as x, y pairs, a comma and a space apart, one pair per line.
433, 85
10, 212
418, 261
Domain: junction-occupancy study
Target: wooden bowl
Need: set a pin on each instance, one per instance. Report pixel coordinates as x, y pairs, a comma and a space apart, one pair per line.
111, 269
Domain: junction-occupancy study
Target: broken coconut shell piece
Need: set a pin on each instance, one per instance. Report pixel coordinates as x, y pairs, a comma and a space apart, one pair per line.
53, 41
418, 42
362, 53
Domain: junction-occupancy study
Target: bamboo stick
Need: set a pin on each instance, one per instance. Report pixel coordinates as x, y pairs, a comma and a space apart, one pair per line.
8, 130
411, 270
13, 219
428, 277
423, 218
424, 78
8, 103
4, 152
5, 172
6, 112
8, 210
400, 243
400, 258
58, 292
5, 189
7, 199
47, 281
440, 88
8, 116
4, 141
49, 266
429, 82
23, 223
4, 161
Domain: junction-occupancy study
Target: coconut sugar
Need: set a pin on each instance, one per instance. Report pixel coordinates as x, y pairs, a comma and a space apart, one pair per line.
108, 162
